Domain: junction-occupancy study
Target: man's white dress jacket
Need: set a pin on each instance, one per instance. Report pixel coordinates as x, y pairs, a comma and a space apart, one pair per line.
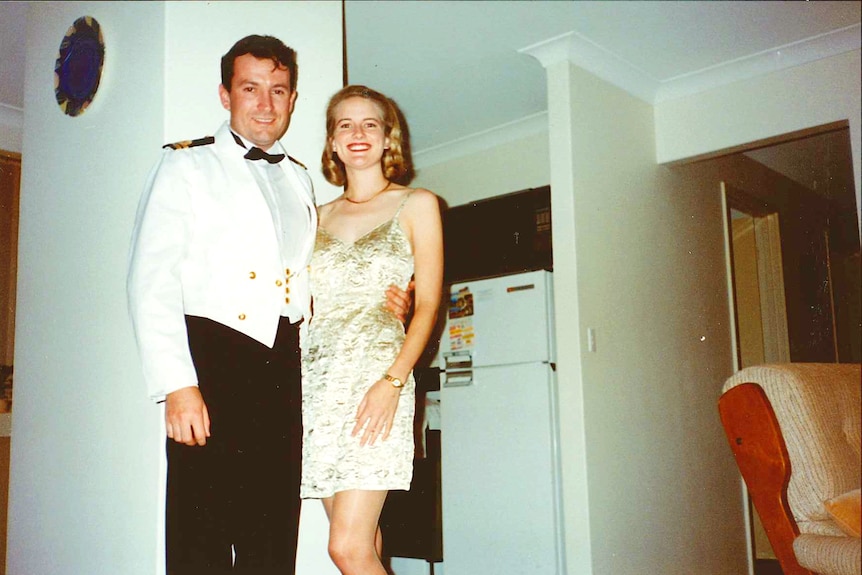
205, 244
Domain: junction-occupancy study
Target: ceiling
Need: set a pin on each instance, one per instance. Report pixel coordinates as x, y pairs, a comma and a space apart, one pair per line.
455, 69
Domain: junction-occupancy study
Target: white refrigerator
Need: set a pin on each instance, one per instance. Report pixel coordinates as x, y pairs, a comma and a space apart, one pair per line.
501, 494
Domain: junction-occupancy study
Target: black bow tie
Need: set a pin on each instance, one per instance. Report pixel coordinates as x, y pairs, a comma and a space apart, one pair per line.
257, 154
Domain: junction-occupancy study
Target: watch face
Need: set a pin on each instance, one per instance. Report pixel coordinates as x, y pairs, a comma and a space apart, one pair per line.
78, 68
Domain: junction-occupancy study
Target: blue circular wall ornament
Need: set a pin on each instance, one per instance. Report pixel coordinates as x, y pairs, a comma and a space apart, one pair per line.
78, 68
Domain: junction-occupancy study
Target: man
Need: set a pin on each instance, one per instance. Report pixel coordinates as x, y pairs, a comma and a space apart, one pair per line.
217, 290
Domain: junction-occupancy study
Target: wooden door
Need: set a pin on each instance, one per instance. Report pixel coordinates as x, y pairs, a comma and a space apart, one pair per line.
10, 181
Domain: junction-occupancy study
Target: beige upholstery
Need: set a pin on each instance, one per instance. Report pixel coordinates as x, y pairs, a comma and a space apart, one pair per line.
817, 407
829, 555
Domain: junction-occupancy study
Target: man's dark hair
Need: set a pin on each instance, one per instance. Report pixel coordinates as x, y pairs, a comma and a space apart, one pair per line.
263, 47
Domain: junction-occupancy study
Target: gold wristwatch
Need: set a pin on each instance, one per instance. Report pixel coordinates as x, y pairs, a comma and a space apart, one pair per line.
394, 381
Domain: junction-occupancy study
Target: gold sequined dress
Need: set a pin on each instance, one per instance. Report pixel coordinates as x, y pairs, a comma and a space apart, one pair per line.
352, 341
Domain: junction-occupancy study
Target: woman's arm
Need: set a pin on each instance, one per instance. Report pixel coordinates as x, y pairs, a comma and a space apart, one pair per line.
421, 220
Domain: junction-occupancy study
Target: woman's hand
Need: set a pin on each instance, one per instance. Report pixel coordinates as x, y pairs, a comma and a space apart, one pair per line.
376, 412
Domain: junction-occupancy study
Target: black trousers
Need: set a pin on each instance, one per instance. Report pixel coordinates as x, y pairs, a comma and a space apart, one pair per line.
240, 492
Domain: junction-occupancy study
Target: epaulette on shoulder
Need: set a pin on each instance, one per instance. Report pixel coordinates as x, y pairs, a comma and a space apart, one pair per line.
190, 143
298, 163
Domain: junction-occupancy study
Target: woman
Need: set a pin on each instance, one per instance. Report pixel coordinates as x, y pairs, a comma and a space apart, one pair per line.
358, 390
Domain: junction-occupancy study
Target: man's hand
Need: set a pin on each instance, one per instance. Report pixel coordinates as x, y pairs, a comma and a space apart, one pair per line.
399, 301
186, 417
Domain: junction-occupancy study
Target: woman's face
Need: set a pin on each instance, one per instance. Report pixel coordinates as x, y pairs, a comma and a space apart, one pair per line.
358, 135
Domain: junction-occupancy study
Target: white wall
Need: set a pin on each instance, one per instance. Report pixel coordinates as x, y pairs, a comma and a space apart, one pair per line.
11, 128
85, 438
87, 445
648, 278
490, 172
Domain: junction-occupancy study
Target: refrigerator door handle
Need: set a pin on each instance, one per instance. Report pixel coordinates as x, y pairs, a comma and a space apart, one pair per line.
458, 378
457, 360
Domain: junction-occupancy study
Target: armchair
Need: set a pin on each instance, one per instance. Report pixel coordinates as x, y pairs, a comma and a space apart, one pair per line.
795, 432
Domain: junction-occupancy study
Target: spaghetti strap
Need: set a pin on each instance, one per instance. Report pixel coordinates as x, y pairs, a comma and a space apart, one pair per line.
401, 205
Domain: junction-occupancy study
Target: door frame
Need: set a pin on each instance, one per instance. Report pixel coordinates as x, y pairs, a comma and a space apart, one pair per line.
773, 304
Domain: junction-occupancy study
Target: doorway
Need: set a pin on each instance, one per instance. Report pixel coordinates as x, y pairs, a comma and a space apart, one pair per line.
793, 264
758, 281
759, 308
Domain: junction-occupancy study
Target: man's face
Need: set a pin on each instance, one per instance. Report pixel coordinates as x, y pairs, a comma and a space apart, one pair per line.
260, 101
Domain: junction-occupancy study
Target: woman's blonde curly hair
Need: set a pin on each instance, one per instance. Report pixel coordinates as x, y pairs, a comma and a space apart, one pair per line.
394, 163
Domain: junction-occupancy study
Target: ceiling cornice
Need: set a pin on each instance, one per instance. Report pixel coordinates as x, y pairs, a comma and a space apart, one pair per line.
581, 51
481, 141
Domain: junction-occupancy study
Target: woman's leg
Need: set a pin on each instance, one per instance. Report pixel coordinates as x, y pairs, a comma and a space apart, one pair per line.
378, 538
355, 542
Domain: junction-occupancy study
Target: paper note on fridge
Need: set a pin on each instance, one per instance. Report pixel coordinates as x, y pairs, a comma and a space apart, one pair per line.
461, 332
461, 303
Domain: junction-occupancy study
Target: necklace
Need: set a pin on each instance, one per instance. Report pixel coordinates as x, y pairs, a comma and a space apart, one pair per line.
374, 195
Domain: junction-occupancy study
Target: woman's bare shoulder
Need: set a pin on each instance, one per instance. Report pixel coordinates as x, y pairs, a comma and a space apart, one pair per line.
324, 210
421, 210
328, 205
421, 197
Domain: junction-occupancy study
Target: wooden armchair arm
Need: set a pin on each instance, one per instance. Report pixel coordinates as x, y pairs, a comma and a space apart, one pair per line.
761, 455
